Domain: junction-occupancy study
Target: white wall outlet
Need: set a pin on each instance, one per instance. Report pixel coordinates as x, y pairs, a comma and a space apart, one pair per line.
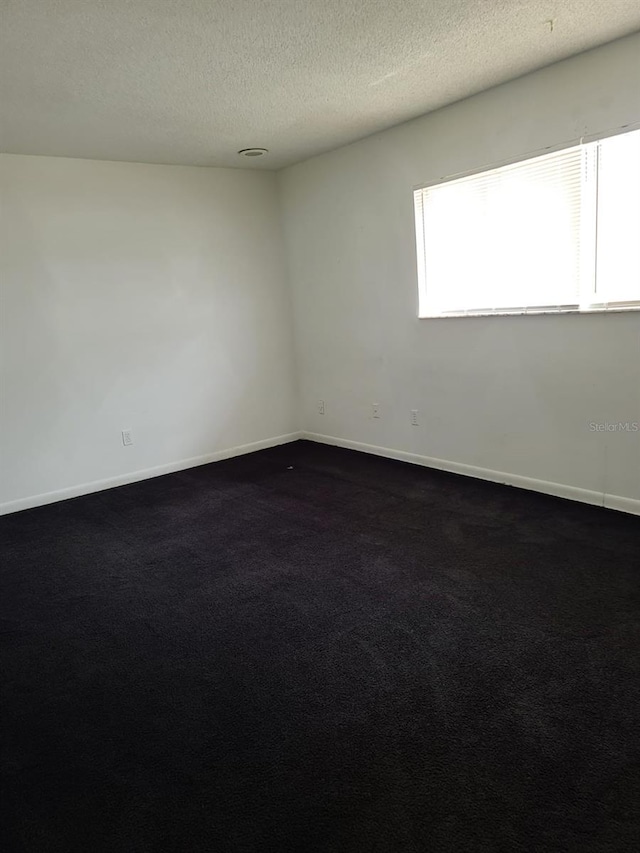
414, 417
375, 410
321, 407
127, 437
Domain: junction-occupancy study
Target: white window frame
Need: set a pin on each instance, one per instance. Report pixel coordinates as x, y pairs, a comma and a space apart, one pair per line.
588, 302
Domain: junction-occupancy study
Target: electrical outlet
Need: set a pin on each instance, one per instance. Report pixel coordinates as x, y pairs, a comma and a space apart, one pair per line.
414, 417
375, 410
127, 437
321, 407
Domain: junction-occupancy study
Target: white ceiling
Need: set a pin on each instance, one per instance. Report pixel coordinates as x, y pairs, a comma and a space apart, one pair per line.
193, 81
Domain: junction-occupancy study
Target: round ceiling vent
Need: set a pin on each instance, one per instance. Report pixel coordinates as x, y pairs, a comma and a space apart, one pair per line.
253, 152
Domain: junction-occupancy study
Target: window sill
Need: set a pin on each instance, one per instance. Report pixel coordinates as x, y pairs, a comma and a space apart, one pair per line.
529, 312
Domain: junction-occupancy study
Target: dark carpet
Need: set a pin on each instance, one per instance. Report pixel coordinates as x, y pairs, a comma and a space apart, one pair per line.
310, 649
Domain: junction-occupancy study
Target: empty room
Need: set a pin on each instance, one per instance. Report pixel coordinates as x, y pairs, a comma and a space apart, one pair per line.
320, 426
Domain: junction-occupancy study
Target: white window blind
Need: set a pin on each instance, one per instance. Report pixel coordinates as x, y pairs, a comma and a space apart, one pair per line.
544, 234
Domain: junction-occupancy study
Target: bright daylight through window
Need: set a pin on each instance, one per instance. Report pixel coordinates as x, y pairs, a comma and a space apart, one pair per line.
560, 232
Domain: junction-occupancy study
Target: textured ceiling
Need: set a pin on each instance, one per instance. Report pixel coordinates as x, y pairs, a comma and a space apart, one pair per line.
193, 81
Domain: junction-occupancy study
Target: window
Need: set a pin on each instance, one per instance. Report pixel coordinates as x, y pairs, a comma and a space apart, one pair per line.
559, 232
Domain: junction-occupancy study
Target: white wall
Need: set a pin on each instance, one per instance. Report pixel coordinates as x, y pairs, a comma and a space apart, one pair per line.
143, 297
508, 394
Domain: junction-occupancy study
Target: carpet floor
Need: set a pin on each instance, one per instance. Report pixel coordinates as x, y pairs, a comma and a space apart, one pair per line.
310, 649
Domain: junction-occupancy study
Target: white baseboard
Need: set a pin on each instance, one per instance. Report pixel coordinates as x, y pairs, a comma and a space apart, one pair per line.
630, 505
617, 502
560, 490
146, 474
